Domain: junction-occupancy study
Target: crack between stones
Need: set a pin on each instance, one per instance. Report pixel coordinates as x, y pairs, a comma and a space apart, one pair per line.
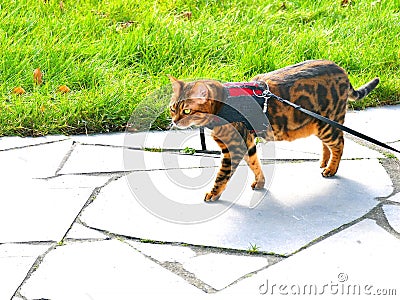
34, 145
378, 215
66, 157
32, 270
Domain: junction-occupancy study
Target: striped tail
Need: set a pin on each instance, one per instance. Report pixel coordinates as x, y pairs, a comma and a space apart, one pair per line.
363, 90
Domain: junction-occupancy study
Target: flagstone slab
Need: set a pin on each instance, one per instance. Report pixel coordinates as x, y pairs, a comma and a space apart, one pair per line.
392, 213
42, 210
377, 122
33, 162
103, 270
298, 207
87, 159
15, 262
356, 260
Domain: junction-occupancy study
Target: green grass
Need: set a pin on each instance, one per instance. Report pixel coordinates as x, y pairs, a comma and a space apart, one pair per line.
113, 54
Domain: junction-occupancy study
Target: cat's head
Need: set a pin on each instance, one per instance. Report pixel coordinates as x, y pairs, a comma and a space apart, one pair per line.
194, 103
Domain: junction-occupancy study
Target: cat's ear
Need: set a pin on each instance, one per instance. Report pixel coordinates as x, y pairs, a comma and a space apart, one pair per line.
176, 84
199, 90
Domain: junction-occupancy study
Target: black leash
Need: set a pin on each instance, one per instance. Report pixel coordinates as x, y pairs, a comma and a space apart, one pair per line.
268, 95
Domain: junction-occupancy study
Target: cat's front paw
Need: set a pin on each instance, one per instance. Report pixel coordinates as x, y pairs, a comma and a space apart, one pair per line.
258, 184
211, 197
328, 172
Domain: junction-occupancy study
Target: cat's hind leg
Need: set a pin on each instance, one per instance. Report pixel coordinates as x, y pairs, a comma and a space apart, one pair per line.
326, 154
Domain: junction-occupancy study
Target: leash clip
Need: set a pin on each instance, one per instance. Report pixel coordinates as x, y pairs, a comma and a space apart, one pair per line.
266, 94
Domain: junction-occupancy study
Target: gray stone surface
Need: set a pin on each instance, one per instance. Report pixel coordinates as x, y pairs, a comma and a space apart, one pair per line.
15, 260
283, 221
377, 122
103, 270
42, 210
33, 162
353, 257
392, 213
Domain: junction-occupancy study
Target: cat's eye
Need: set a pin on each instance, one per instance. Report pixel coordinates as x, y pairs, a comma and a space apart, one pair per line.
187, 111
172, 110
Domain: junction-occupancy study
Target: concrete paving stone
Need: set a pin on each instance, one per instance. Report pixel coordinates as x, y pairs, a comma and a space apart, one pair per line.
164, 253
392, 213
80, 232
42, 210
356, 260
103, 270
220, 270
87, 159
377, 122
298, 207
15, 262
11, 142
34, 162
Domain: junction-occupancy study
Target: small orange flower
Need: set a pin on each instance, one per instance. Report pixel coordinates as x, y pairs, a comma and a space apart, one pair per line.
63, 89
18, 90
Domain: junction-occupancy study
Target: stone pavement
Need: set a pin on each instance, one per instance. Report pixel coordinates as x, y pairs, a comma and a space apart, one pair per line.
112, 217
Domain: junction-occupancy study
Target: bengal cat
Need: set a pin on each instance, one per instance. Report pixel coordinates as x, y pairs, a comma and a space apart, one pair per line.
317, 85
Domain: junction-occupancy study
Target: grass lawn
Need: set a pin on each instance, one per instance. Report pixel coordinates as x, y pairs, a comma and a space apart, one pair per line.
113, 54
